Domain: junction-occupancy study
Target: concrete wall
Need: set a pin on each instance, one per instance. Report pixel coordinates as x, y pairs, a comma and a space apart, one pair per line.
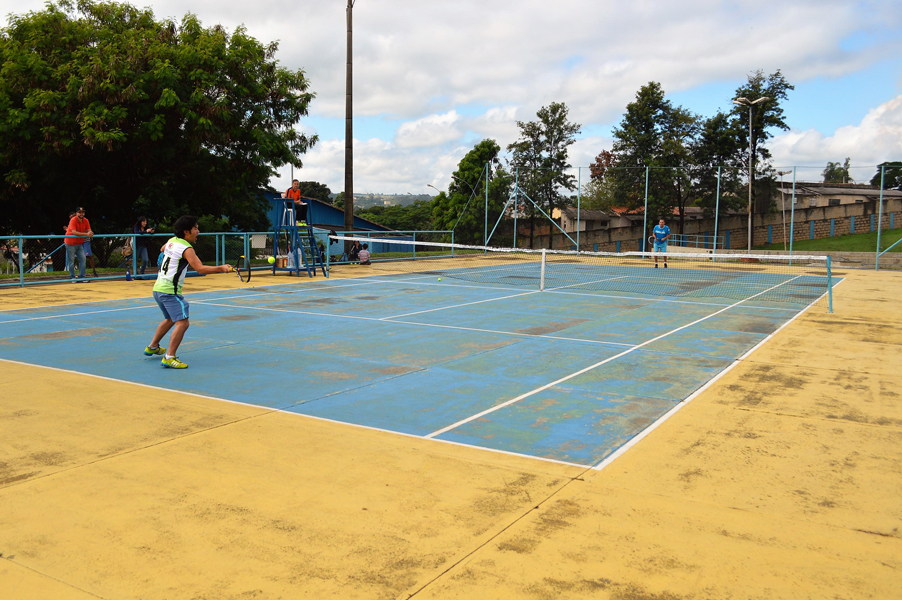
767, 228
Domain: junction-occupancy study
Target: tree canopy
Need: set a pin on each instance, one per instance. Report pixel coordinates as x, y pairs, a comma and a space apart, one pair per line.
837, 172
463, 207
541, 159
892, 175
104, 106
688, 157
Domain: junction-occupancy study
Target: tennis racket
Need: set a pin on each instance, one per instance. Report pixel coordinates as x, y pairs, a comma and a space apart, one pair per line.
651, 239
243, 268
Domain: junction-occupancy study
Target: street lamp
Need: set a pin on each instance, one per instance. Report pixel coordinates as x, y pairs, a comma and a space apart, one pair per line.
435, 188
465, 183
751, 104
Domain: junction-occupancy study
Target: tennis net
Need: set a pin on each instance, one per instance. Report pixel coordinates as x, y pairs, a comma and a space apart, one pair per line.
799, 279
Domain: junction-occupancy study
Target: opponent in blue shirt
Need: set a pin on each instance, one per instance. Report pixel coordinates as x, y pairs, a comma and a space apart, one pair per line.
662, 234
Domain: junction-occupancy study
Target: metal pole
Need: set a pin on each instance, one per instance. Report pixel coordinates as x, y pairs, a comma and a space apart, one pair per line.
792, 218
349, 133
22, 263
829, 286
579, 189
485, 228
879, 218
717, 210
751, 175
645, 212
516, 202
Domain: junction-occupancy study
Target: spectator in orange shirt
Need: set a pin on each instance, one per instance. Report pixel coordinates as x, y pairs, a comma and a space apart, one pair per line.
78, 231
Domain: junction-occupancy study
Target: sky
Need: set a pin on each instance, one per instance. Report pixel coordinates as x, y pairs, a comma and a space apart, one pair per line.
434, 78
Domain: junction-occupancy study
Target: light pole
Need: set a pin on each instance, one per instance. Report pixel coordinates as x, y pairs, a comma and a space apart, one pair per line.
783, 204
751, 104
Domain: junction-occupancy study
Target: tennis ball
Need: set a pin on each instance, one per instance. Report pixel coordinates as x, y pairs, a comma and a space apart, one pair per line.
271, 260
439, 278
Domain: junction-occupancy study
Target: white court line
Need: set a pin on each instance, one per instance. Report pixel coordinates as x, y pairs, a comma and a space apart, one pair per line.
589, 368
428, 325
92, 312
645, 432
269, 410
420, 312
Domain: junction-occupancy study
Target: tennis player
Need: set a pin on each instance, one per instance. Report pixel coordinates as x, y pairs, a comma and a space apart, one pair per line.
177, 254
662, 234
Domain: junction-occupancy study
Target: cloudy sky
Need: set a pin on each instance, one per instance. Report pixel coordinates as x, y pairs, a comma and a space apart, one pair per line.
433, 78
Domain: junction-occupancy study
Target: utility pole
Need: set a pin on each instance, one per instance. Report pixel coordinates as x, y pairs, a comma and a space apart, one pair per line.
349, 133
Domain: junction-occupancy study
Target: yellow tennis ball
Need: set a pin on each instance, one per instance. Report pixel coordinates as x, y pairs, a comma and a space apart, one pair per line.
439, 278
271, 260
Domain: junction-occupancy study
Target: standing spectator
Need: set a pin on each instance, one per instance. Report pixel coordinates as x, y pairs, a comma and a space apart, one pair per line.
364, 255
141, 229
78, 230
300, 207
178, 253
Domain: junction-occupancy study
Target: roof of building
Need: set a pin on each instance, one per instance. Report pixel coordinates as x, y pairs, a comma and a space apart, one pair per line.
808, 188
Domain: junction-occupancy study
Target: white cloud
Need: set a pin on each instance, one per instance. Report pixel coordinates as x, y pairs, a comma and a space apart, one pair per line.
430, 131
452, 73
876, 139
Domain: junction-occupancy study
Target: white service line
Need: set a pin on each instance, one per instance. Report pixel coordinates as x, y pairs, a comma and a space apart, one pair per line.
589, 368
93, 312
419, 312
429, 325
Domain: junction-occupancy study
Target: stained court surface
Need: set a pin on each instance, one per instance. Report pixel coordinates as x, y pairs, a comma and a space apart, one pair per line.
778, 479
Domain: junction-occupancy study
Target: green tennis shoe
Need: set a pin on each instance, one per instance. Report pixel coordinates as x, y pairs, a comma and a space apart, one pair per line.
173, 363
148, 351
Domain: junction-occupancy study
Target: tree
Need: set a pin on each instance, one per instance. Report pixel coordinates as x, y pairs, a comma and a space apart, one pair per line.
313, 189
765, 117
413, 217
837, 173
463, 208
717, 154
653, 141
104, 106
892, 175
541, 153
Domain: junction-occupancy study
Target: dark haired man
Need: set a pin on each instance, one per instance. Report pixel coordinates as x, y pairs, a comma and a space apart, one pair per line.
178, 254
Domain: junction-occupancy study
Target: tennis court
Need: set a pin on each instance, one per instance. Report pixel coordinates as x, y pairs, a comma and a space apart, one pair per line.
779, 478
569, 372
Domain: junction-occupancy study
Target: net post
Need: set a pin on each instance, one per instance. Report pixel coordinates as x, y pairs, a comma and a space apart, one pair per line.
542, 275
829, 286
22, 261
880, 218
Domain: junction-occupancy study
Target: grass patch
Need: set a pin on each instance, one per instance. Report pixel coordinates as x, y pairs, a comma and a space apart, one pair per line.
856, 242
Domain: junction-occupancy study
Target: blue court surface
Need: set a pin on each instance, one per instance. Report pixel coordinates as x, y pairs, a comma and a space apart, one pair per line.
563, 375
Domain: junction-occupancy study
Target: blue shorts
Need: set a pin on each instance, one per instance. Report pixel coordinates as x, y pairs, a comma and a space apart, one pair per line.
87, 245
660, 247
174, 306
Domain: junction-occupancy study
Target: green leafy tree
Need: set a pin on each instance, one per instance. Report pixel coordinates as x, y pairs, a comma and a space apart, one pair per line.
837, 173
654, 139
103, 105
765, 118
542, 155
717, 154
413, 217
463, 208
314, 189
892, 175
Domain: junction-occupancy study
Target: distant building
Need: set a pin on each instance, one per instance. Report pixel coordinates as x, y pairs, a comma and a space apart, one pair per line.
812, 195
